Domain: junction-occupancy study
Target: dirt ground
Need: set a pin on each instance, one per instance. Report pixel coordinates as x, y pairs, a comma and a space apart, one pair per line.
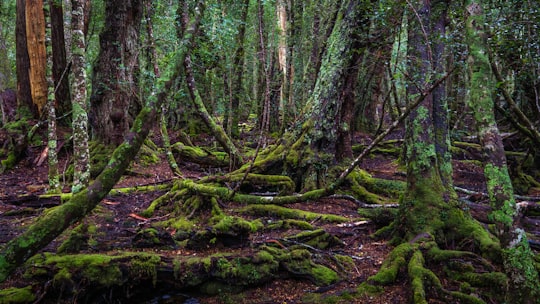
117, 221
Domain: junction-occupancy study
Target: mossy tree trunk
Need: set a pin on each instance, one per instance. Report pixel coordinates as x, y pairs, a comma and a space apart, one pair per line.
425, 194
518, 258
430, 217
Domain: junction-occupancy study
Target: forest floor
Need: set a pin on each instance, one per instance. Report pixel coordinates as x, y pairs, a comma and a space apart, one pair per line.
117, 221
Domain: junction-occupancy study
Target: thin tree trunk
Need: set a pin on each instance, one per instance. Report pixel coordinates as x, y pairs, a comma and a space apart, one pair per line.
81, 154
518, 258
238, 74
59, 63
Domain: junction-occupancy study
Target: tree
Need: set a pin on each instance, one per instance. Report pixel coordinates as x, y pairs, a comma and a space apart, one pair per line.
81, 172
24, 95
518, 258
114, 78
60, 67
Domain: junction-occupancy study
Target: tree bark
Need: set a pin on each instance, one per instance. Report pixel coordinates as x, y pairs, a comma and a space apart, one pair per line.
60, 67
81, 153
35, 40
114, 79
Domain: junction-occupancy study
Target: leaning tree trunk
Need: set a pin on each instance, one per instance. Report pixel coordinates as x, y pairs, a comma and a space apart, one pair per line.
518, 258
114, 83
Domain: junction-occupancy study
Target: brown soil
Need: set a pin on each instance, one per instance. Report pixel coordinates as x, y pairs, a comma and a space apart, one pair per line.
19, 206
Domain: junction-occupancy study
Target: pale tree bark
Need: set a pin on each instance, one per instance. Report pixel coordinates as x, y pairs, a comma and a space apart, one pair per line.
52, 157
517, 255
81, 153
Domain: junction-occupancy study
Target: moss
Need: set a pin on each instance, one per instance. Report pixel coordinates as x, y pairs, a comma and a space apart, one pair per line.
417, 272
76, 240
390, 188
323, 275
393, 263
519, 264
9, 162
234, 223
17, 295
263, 256
287, 224
282, 212
144, 266
93, 268
148, 155
317, 239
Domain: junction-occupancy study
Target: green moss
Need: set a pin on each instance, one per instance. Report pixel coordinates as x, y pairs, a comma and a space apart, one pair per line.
144, 266
324, 275
393, 263
17, 295
148, 155
317, 238
519, 264
94, 268
10, 161
234, 223
282, 212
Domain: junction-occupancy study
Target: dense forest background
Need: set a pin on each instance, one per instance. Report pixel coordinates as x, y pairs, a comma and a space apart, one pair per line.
253, 120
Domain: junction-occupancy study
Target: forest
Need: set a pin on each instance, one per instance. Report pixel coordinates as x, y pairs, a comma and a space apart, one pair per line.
270, 151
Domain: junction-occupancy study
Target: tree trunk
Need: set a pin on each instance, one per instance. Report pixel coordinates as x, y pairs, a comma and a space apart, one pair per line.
35, 41
24, 97
114, 82
81, 154
238, 73
518, 258
60, 68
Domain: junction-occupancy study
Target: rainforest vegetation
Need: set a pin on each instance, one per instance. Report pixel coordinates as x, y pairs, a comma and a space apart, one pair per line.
269, 151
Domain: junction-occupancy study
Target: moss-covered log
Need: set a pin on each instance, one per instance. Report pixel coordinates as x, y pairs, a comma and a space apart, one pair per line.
129, 274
